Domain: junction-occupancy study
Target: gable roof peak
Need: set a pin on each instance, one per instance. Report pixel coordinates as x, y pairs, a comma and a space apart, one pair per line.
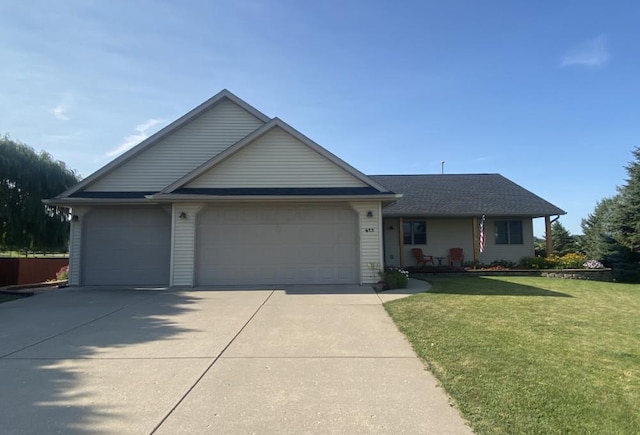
224, 94
258, 133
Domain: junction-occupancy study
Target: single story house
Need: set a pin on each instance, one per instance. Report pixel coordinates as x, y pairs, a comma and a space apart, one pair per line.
440, 212
226, 195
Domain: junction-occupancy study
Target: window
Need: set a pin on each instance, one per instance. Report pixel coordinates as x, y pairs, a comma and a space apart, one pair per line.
414, 232
508, 232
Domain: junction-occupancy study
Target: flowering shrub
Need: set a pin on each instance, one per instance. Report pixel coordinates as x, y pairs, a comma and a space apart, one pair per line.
593, 264
568, 261
571, 261
394, 277
539, 262
63, 273
494, 265
502, 264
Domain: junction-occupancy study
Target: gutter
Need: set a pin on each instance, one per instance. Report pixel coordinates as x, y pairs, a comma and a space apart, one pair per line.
270, 198
70, 202
171, 198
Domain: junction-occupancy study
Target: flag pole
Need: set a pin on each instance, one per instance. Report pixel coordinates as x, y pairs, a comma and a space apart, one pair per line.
483, 240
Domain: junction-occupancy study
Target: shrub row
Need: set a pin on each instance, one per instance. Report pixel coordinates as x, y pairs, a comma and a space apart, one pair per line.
568, 261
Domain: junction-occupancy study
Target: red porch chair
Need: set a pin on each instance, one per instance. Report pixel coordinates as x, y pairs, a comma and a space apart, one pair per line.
421, 258
455, 256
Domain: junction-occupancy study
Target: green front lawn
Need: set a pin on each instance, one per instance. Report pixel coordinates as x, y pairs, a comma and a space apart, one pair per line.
531, 355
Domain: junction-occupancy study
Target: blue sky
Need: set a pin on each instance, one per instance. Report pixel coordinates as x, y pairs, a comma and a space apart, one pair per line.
546, 93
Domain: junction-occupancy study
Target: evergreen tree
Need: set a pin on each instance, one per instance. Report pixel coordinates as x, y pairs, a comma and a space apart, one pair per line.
626, 216
599, 231
579, 243
563, 241
600, 242
540, 247
27, 177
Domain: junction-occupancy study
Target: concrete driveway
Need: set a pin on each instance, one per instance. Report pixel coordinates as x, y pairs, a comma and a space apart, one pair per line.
298, 359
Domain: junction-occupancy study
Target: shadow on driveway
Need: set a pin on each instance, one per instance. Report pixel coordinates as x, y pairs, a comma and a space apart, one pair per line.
321, 359
64, 355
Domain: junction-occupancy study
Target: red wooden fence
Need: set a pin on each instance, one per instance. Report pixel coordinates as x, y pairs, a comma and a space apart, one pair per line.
29, 270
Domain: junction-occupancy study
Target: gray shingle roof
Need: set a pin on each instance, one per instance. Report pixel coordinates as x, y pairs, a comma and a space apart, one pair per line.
462, 195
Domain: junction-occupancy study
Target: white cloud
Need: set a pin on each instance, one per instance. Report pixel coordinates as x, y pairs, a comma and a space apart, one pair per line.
60, 112
482, 159
592, 54
142, 131
57, 138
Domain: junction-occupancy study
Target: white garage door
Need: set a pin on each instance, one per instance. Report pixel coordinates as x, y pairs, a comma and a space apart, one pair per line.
126, 246
277, 244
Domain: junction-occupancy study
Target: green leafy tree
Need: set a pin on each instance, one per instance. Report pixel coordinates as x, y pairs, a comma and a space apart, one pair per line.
27, 177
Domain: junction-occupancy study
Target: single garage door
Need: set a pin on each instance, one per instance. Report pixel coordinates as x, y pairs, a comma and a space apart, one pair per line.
126, 246
277, 244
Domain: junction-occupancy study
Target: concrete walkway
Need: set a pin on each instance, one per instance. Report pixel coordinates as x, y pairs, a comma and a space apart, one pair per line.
303, 359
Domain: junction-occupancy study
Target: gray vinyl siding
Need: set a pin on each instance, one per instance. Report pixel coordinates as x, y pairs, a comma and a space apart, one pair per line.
75, 247
370, 240
183, 253
181, 152
276, 160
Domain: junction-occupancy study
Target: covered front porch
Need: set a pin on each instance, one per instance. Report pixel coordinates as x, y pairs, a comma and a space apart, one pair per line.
507, 238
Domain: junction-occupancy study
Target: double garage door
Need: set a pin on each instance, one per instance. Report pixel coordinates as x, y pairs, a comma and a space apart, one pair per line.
276, 244
235, 245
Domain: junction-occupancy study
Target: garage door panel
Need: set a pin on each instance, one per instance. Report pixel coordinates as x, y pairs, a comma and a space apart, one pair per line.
126, 246
277, 245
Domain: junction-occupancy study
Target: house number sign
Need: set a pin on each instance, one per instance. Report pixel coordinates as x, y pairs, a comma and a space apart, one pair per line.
368, 230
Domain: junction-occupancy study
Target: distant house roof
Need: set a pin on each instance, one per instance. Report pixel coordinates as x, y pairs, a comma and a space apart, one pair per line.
462, 195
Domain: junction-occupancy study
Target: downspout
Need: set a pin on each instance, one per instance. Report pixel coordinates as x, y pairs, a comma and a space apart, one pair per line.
547, 224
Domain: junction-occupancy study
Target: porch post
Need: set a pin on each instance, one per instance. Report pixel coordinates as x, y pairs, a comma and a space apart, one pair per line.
476, 239
401, 232
547, 228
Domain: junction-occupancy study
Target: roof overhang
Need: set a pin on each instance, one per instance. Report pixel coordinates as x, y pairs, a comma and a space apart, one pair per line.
163, 198
170, 197
70, 202
464, 215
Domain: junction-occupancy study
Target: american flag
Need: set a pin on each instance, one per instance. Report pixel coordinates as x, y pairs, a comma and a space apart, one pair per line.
482, 239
